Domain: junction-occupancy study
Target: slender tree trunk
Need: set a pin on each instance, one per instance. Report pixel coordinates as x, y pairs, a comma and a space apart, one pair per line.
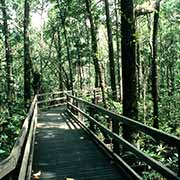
119, 70
27, 64
138, 70
67, 44
79, 66
154, 65
68, 56
98, 72
59, 60
66, 77
93, 42
42, 38
90, 51
111, 51
8, 56
128, 65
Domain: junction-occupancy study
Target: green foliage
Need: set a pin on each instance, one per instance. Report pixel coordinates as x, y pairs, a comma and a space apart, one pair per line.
9, 129
45, 60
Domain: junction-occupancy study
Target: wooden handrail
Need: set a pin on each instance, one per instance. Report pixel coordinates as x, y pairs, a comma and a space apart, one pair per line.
28, 128
166, 172
51, 100
108, 151
27, 151
156, 133
10, 163
53, 93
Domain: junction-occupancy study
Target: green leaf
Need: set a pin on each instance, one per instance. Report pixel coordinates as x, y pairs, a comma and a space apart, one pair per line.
2, 151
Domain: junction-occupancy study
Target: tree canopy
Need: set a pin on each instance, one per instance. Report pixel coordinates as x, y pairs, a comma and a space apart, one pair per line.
129, 49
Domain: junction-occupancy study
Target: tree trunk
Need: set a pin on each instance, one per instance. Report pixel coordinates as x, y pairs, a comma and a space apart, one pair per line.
67, 44
41, 38
90, 52
138, 70
79, 66
111, 51
128, 65
119, 70
27, 64
59, 60
154, 65
98, 72
93, 42
8, 56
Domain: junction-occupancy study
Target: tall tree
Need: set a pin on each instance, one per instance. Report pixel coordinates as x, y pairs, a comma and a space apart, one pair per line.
8, 56
98, 72
93, 42
119, 69
63, 22
128, 64
59, 56
27, 61
153, 44
111, 51
146, 8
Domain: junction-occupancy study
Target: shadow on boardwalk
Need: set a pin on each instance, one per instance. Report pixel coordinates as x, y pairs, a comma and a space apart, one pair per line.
63, 150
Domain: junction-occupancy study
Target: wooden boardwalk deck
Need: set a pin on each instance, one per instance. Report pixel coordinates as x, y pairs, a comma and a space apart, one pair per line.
63, 150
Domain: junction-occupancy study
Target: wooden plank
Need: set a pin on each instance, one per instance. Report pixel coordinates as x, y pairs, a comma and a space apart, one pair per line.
25, 159
51, 100
29, 170
158, 134
64, 150
10, 163
7, 165
52, 106
166, 172
111, 154
53, 93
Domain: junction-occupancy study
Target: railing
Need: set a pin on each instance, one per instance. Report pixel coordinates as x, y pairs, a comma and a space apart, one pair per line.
22, 147
22, 152
77, 104
18, 165
49, 100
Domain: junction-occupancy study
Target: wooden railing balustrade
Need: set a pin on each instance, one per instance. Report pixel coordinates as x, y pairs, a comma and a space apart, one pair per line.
118, 140
21, 149
22, 152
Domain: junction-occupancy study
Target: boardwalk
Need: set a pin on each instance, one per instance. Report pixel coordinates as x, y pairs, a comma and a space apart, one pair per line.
63, 150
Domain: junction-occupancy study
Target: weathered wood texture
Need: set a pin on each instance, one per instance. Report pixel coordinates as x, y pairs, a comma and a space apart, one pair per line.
10, 163
28, 148
157, 134
63, 150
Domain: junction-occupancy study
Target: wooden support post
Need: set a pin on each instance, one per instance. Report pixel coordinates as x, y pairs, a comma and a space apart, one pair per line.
91, 124
67, 98
92, 111
80, 116
115, 129
178, 148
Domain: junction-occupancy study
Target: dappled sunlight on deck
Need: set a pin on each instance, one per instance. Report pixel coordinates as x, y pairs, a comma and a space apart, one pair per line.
63, 150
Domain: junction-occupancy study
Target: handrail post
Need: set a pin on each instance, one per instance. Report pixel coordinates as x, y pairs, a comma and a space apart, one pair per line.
80, 116
67, 99
92, 111
91, 124
115, 129
178, 148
